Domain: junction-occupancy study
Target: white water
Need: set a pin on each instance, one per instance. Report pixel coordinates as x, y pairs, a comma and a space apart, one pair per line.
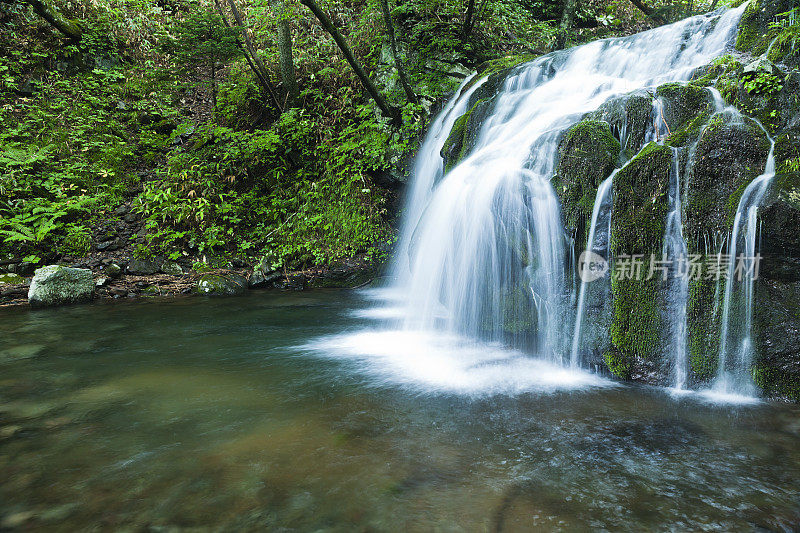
489, 255
676, 250
602, 202
482, 266
736, 343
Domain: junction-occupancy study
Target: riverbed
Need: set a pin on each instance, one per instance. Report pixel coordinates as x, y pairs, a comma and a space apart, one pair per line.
313, 412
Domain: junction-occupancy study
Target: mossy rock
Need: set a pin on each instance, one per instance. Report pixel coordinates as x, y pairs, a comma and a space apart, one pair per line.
779, 215
503, 65
703, 327
618, 365
629, 117
707, 75
683, 104
641, 202
11, 279
464, 135
726, 159
777, 330
636, 328
753, 31
587, 154
228, 283
58, 285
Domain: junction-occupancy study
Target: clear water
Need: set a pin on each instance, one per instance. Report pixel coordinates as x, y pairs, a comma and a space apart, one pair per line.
253, 414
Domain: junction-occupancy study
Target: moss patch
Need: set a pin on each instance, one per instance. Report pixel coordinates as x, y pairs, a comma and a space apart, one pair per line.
587, 154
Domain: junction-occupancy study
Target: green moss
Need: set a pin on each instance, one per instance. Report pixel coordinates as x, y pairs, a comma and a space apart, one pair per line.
774, 382
702, 328
618, 365
588, 153
682, 104
636, 322
464, 134
504, 63
640, 201
640, 208
726, 159
689, 132
722, 65
749, 38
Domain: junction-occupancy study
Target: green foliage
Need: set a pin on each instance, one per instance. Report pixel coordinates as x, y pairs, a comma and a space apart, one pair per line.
277, 189
786, 31
763, 83
202, 42
77, 242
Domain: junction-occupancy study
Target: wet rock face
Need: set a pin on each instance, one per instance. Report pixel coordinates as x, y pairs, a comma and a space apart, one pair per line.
629, 117
777, 328
637, 227
726, 159
464, 135
587, 153
58, 285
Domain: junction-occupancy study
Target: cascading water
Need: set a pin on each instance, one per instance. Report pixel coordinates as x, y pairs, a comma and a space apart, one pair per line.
677, 252
428, 169
736, 346
486, 248
597, 243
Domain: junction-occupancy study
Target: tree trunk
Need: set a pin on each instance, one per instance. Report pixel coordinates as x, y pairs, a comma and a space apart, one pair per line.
327, 24
387, 18
70, 28
255, 63
649, 12
468, 18
567, 17
288, 77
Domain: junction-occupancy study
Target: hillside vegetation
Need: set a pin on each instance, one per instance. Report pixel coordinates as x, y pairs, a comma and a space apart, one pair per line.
238, 131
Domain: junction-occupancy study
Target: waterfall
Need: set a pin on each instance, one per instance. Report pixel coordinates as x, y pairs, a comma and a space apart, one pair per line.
598, 244
485, 244
677, 252
429, 168
736, 347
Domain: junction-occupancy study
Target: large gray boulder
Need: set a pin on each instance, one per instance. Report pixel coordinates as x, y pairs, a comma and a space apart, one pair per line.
59, 285
228, 283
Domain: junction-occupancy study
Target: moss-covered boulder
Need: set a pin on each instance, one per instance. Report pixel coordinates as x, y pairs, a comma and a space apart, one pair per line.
60, 285
630, 118
777, 330
587, 153
641, 204
225, 283
682, 104
727, 157
755, 24
464, 135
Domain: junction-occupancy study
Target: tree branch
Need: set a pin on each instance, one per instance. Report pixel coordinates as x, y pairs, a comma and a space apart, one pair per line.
327, 24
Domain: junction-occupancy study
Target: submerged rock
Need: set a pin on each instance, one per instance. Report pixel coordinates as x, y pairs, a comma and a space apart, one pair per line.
59, 285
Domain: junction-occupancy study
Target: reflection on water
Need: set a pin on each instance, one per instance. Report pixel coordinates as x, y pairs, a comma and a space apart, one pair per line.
205, 414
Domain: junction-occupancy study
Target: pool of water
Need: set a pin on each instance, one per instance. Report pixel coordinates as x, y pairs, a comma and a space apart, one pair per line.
302, 411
